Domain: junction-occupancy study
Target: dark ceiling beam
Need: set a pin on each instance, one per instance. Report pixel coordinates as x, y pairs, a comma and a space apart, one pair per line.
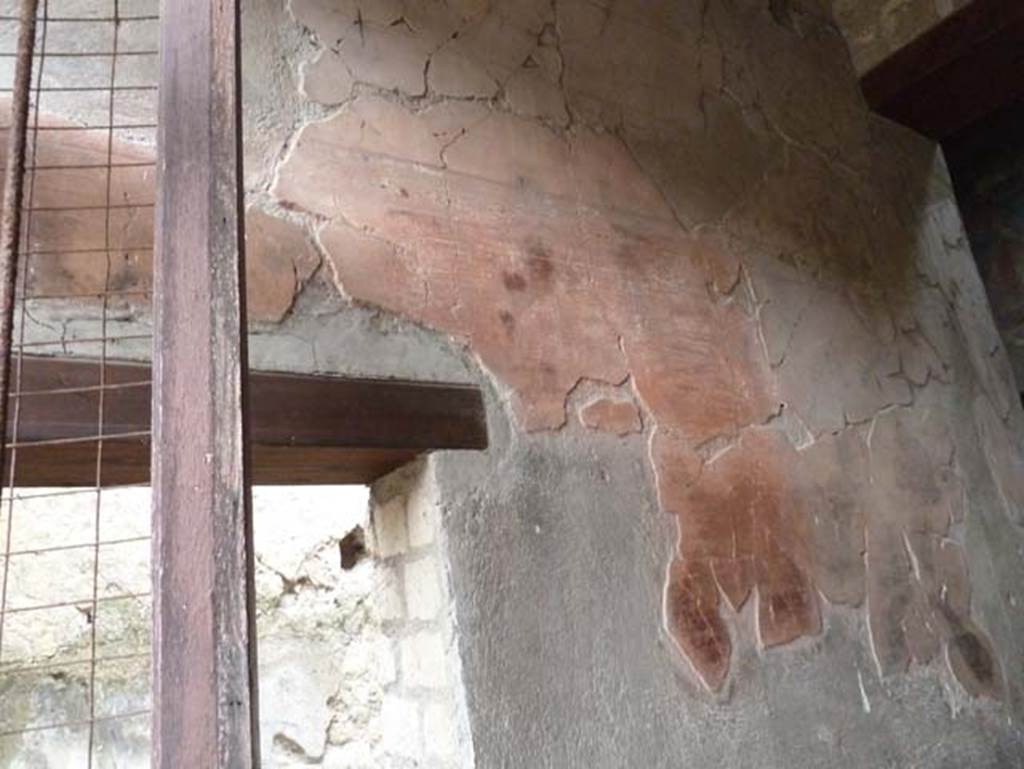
303, 429
966, 67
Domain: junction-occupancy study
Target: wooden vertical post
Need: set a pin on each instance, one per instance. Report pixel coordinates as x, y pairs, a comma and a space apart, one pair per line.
10, 213
205, 703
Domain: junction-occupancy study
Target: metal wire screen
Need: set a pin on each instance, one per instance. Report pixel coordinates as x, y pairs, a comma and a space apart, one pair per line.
74, 569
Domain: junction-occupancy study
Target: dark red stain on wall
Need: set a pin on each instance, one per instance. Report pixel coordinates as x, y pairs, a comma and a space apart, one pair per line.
740, 528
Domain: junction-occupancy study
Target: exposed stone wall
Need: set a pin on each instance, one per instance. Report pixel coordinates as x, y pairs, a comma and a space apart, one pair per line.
44, 678
876, 29
356, 663
356, 668
423, 715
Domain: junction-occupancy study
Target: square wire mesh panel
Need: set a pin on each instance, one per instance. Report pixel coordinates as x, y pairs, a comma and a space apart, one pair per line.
75, 560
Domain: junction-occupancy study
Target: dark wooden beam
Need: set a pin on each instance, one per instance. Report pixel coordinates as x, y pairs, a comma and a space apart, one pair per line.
12, 203
126, 461
964, 68
303, 429
205, 693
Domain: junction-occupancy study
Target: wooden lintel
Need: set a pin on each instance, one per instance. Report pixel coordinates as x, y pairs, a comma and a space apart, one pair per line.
303, 429
966, 67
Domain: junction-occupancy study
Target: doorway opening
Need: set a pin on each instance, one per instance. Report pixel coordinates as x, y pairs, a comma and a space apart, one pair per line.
356, 649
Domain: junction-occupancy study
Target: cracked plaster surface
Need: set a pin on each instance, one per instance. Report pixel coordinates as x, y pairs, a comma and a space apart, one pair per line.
705, 209
68, 238
688, 198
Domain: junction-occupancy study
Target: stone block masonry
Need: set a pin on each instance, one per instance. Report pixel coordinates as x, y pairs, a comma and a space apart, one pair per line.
355, 664
424, 704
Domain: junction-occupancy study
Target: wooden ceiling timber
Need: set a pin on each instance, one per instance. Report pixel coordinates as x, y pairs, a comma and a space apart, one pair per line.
964, 68
303, 429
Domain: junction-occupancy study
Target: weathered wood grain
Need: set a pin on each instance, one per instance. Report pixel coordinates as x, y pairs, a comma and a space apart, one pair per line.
205, 696
125, 461
303, 429
13, 184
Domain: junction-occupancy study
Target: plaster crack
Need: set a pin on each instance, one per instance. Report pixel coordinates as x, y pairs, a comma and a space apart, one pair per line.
556, 30
701, 40
619, 133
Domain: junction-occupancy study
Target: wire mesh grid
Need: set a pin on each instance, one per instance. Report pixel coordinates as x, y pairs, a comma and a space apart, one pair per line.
74, 560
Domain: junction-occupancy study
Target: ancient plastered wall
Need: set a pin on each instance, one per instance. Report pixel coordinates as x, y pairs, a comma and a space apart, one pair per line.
676, 224
753, 494
689, 208
876, 29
